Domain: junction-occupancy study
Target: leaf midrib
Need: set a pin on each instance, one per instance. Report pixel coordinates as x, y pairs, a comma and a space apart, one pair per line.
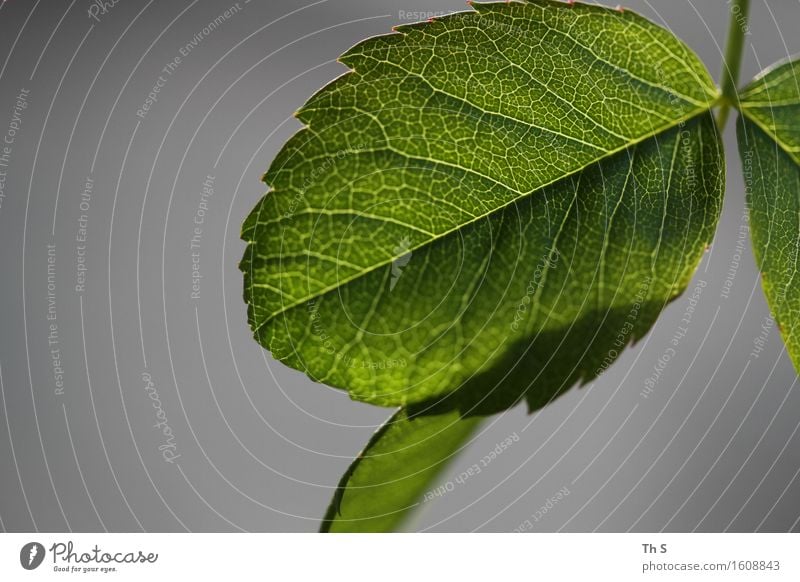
609, 153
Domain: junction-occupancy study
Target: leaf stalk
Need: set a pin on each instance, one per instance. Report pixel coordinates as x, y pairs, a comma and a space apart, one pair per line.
731, 64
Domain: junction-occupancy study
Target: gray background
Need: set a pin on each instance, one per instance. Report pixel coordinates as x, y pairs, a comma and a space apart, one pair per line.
713, 448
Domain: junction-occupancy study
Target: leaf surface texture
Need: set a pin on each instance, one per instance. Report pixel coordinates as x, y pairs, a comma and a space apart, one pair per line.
487, 207
768, 131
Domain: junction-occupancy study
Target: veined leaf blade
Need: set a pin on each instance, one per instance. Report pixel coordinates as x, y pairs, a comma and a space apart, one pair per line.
768, 132
481, 203
388, 479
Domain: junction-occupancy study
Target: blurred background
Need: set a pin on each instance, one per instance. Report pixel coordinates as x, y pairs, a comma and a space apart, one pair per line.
133, 397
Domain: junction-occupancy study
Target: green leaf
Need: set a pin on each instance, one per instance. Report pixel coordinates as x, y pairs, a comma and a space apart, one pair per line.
386, 481
768, 130
488, 207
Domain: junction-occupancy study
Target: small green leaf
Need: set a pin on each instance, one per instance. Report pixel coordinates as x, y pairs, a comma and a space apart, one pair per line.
495, 203
768, 131
388, 479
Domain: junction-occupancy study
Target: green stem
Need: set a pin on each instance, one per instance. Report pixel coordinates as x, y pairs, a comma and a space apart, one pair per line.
733, 58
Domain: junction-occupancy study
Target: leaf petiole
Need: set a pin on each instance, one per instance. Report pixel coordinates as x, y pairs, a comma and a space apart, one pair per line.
732, 62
